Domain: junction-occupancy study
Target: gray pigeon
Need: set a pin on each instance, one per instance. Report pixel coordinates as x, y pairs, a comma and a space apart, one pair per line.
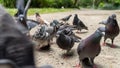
68, 31
111, 29
65, 19
28, 23
105, 22
89, 48
78, 23
40, 35
65, 42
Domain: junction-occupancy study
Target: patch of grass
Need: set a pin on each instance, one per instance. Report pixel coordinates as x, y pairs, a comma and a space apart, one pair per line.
32, 11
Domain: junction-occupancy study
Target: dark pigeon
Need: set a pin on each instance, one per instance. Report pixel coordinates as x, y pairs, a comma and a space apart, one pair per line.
28, 23
111, 29
22, 9
68, 31
14, 45
65, 42
78, 23
65, 19
89, 48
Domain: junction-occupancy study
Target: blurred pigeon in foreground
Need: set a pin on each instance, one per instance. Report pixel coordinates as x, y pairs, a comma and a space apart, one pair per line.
65, 19
111, 29
89, 48
14, 45
78, 23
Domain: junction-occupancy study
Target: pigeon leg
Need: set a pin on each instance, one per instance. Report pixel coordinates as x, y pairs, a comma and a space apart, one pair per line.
112, 43
104, 41
94, 66
77, 66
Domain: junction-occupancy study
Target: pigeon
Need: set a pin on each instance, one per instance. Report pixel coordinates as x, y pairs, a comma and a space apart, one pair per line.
55, 23
78, 23
65, 42
105, 22
28, 23
111, 29
89, 48
40, 19
65, 19
68, 31
14, 45
39, 34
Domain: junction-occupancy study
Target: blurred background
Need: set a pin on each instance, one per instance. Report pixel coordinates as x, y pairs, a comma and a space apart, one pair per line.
97, 4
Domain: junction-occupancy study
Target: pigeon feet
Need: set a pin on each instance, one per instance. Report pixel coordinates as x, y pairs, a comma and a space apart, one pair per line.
94, 66
77, 66
113, 46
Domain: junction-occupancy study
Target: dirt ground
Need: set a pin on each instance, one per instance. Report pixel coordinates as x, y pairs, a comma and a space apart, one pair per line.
108, 58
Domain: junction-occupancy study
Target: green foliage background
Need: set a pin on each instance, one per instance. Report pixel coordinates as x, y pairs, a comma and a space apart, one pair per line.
104, 4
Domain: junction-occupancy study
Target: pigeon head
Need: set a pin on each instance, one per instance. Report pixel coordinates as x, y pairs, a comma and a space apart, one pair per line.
21, 18
37, 14
76, 15
113, 16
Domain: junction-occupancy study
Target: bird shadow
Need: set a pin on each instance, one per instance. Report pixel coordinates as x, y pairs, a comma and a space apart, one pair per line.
68, 55
96, 66
110, 45
45, 50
